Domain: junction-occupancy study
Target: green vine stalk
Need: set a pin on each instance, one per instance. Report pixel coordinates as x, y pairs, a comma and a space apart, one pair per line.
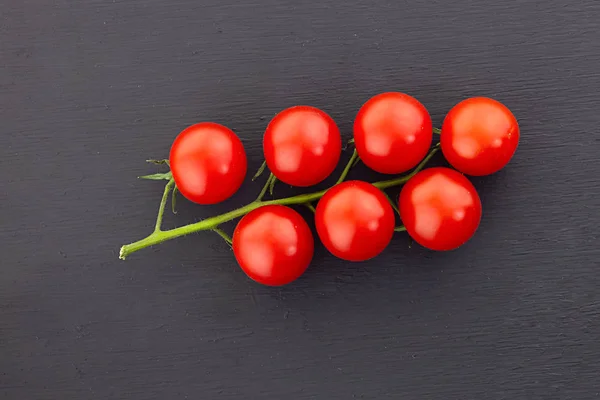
212, 224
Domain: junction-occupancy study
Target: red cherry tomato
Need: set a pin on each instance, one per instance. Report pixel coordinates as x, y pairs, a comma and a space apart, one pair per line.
273, 245
302, 146
208, 163
479, 136
392, 132
355, 221
440, 208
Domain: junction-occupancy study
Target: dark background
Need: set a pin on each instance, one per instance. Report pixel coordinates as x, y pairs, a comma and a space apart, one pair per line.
90, 89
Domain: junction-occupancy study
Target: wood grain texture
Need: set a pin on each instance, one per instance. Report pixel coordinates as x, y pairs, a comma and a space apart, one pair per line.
90, 89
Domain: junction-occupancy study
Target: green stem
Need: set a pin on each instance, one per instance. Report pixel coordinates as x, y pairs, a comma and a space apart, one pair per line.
224, 235
174, 200
213, 222
348, 166
163, 203
393, 204
265, 188
310, 207
260, 171
159, 236
437, 131
272, 184
401, 228
403, 179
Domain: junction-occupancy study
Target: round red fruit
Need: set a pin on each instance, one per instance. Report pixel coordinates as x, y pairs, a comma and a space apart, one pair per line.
392, 132
273, 245
440, 208
479, 136
208, 163
355, 221
302, 146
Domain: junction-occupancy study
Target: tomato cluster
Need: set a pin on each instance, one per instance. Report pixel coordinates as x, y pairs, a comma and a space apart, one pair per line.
355, 220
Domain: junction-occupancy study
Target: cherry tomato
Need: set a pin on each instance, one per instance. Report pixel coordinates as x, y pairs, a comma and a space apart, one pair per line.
392, 132
479, 136
273, 245
208, 163
355, 221
440, 208
302, 146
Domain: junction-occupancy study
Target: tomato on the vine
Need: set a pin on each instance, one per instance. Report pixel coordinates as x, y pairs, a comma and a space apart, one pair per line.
479, 136
273, 245
440, 208
355, 220
302, 146
208, 163
392, 132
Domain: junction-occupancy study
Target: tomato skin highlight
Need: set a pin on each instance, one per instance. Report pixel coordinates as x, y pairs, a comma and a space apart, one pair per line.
392, 132
273, 245
208, 163
355, 221
302, 146
479, 136
440, 208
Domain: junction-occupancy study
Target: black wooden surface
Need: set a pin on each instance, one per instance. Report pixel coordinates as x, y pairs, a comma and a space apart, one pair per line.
90, 89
